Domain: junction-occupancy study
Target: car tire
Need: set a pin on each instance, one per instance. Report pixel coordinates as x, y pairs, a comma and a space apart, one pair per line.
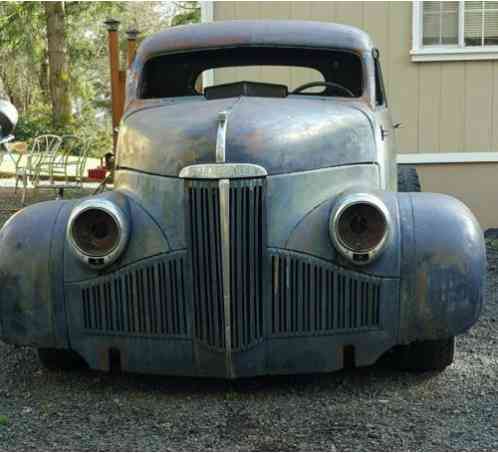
408, 180
429, 355
60, 359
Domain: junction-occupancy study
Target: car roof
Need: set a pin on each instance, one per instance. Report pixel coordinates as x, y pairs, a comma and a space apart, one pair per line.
291, 33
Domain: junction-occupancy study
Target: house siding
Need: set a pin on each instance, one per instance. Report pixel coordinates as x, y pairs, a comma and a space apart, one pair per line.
444, 107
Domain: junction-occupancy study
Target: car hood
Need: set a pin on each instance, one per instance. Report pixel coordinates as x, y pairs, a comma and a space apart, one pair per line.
281, 135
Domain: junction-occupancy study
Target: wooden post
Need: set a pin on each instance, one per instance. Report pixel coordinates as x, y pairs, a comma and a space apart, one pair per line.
112, 26
132, 35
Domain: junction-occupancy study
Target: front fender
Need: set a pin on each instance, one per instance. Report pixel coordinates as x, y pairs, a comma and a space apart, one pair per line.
443, 268
35, 264
437, 251
30, 300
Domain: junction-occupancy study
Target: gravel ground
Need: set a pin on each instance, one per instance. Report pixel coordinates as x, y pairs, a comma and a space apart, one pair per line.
372, 408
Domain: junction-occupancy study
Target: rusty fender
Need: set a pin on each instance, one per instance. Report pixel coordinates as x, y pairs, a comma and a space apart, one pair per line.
31, 293
436, 249
36, 263
443, 267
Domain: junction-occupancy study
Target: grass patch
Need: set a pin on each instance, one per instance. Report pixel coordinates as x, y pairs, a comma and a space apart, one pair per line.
4, 420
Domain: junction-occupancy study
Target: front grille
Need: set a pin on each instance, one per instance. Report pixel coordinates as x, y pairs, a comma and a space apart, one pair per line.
311, 296
147, 299
246, 221
246, 261
205, 255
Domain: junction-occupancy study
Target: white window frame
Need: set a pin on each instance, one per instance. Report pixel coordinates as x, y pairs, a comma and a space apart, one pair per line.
458, 52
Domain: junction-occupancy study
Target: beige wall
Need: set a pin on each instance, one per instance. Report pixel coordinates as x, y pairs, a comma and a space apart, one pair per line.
444, 107
474, 184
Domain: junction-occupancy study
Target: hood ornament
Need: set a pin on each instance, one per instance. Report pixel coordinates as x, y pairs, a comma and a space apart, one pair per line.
221, 169
221, 136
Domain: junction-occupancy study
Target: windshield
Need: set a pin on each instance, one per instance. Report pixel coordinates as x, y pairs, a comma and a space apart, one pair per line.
181, 74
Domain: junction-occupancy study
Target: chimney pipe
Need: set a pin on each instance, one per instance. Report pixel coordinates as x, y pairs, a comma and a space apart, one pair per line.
112, 26
132, 35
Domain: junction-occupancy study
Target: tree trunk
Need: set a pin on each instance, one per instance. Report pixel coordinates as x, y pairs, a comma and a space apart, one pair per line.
58, 65
43, 77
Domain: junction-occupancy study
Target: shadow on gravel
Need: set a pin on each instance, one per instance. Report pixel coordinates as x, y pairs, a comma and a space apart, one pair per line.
365, 379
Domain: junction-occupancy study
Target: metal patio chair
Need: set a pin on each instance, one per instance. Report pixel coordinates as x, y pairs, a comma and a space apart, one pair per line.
42, 154
45, 152
73, 155
4, 150
13, 150
70, 163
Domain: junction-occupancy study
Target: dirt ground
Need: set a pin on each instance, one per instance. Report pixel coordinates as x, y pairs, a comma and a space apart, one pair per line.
374, 408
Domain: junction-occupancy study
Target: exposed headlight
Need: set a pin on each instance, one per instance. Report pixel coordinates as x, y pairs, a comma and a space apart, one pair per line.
359, 227
98, 232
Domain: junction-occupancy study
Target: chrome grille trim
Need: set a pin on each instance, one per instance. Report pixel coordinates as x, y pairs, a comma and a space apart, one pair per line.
222, 171
224, 191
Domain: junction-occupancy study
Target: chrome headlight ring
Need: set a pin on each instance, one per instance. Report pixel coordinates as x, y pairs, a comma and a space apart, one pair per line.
364, 251
97, 232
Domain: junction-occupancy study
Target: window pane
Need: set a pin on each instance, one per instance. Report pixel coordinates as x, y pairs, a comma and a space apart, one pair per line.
440, 23
491, 24
473, 5
431, 29
449, 28
481, 23
473, 27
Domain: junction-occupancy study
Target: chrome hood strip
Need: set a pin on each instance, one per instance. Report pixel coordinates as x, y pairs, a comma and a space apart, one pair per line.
221, 136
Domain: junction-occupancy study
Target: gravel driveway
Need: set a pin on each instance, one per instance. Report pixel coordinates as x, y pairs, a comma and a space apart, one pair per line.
372, 408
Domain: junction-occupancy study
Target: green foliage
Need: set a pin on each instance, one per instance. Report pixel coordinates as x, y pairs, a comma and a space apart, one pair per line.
4, 420
37, 122
24, 68
190, 13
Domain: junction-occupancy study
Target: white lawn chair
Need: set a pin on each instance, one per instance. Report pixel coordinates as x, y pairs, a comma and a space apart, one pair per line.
45, 151
68, 161
73, 155
3, 146
39, 161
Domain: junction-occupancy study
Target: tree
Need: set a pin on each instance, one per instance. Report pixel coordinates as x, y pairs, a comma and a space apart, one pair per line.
55, 66
22, 40
57, 63
187, 13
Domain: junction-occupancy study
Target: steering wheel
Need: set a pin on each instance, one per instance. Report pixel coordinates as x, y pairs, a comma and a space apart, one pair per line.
340, 87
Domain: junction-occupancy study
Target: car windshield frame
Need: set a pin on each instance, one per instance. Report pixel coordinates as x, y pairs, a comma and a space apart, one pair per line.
188, 65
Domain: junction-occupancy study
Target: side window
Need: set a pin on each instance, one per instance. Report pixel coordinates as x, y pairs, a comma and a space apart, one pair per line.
380, 96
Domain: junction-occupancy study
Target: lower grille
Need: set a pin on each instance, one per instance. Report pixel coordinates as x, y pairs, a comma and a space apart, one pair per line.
310, 296
246, 230
147, 299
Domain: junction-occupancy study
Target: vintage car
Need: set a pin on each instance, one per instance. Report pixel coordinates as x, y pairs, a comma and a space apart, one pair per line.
252, 229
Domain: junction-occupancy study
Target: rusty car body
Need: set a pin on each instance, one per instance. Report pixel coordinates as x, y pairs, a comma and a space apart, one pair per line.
251, 230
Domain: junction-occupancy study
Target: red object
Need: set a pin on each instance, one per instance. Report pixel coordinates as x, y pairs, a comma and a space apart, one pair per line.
97, 173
